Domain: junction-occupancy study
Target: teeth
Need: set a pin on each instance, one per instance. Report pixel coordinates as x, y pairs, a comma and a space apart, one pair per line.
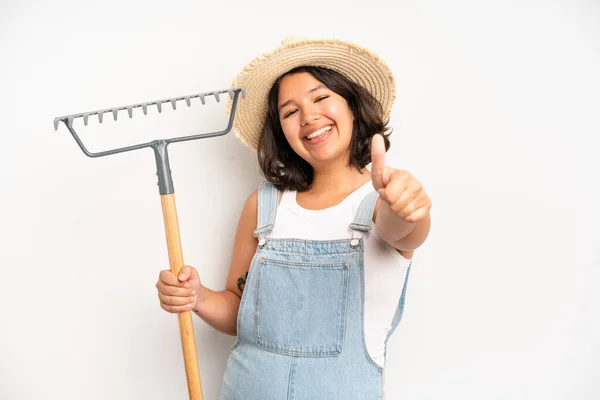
319, 132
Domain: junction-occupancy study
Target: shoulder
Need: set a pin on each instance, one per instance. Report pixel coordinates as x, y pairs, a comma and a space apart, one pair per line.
252, 201
250, 211
265, 187
249, 216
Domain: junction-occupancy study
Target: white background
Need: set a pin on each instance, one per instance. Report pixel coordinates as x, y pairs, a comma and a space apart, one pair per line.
497, 114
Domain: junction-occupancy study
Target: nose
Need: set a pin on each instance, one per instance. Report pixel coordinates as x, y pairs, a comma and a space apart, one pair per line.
309, 116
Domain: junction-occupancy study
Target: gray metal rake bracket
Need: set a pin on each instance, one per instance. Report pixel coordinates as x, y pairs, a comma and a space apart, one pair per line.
165, 181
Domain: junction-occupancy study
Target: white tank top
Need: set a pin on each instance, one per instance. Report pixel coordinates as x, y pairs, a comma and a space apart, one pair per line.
384, 269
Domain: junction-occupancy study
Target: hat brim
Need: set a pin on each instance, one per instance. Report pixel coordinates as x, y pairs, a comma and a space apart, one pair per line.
356, 63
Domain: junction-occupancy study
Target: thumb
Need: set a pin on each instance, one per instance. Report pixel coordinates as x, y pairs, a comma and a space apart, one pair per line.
379, 174
186, 273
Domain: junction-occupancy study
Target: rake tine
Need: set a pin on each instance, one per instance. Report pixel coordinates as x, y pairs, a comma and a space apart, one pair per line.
68, 119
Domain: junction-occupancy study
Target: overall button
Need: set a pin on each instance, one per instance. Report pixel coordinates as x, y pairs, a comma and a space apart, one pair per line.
354, 242
262, 242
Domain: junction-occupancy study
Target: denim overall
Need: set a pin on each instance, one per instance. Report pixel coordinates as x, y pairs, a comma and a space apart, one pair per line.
300, 321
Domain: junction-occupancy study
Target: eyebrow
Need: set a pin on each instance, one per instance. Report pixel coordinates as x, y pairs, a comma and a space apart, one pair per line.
309, 92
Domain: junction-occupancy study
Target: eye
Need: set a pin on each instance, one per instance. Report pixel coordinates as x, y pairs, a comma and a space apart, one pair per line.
320, 98
290, 113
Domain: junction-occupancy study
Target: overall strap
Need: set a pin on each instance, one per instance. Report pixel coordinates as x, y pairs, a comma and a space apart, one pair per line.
268, 195
364, 215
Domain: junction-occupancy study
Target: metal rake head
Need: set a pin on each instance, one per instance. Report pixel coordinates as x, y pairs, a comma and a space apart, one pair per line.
68, 119
202, 96
159, 146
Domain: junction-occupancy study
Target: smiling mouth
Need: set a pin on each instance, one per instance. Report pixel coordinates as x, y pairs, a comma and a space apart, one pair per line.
318, 133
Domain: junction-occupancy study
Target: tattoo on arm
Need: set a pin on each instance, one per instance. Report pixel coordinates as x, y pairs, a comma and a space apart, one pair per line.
241, 282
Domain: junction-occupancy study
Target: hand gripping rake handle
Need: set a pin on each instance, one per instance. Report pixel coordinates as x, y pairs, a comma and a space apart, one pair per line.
165, 183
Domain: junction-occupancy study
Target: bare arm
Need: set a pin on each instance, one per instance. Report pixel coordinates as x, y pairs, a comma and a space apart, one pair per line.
220, 308
402, 211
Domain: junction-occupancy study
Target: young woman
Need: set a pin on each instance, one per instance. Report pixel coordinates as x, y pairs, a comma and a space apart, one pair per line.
323, 248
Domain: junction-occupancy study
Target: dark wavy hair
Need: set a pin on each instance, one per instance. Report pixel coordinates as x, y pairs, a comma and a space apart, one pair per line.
284, 168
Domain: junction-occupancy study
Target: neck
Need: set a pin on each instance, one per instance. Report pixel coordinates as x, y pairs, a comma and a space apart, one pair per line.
338, 178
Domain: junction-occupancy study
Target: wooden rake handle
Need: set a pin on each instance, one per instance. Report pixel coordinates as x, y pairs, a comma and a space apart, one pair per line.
186, 327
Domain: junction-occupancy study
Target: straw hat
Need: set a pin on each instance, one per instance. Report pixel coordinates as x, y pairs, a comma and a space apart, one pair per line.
356, 63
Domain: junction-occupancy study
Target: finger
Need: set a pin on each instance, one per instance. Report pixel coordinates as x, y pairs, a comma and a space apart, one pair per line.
417, 210
408, 205
378, 168
419, 214
176, 300
411, 208
410, 194
187, 273
175, 291
176, 309
168, 278
396, 187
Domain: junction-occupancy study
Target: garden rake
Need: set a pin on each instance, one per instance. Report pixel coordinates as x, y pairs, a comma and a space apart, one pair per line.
165, 184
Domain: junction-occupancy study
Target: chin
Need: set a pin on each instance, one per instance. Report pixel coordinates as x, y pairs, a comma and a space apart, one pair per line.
321, 159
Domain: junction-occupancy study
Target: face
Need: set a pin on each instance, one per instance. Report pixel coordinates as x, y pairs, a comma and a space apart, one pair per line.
316, 121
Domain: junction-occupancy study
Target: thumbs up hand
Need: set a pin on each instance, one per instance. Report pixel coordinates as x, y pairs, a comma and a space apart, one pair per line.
398, 188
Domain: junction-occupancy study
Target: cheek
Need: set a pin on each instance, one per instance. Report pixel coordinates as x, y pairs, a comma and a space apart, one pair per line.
332, 110
288, 128
341, 113
290, 131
